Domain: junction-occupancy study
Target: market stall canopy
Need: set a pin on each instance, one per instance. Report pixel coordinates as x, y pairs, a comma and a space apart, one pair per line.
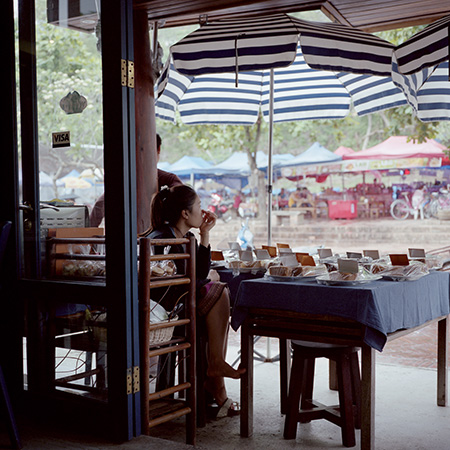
397, 147
188, 165
164, 165
72, 173
316, 154
237, 164
341, 151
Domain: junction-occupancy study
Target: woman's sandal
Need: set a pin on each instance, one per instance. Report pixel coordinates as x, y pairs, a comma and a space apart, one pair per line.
229, 408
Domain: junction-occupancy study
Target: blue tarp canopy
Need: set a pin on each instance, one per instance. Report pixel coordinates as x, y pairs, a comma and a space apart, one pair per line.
235, 166
188, 165
316, 154
72, 173
164, 165
238, 165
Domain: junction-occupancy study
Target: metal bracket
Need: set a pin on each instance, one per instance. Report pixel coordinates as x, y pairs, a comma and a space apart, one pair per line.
136, 378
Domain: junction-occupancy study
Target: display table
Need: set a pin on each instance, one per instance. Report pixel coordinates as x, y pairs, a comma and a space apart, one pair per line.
366, 316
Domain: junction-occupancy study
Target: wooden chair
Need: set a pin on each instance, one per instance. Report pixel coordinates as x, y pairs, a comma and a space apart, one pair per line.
348, 414
83, 328
376, 210
162, 405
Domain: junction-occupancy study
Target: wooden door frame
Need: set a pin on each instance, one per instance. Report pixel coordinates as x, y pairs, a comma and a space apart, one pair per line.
120, 292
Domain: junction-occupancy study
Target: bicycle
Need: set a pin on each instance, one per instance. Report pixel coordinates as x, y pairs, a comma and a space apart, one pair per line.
401, 208
439, 201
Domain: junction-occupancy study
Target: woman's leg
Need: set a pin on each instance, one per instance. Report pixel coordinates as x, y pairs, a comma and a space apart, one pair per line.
217, 322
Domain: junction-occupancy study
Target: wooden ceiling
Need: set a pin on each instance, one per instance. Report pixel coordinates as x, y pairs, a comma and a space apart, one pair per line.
369, 15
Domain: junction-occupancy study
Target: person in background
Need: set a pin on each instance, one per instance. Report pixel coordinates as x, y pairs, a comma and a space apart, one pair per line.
283, 199
164, 179
295, 198
307, 198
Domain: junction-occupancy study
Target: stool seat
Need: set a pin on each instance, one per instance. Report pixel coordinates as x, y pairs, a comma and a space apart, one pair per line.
310, 344
301, 406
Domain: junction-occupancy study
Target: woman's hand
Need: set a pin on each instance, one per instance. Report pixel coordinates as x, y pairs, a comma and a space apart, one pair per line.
209, 220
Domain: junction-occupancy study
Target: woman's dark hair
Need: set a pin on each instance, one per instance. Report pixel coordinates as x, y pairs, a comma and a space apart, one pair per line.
168, 204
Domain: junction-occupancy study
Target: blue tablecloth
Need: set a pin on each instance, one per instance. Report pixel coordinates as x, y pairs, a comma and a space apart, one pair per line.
382, 306
234, 281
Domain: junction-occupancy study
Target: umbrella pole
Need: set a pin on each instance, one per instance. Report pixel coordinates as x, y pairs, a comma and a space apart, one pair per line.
269, 184
269, 163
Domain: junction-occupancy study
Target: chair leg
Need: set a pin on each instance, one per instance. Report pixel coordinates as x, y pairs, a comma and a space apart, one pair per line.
356, 387
346, 401
295, 388
285, 371
202, 365
308, 386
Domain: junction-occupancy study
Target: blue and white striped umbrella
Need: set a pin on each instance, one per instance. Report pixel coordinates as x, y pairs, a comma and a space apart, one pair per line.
234, 44
338, 47
425, 49
300, 93
427, 91
237, 45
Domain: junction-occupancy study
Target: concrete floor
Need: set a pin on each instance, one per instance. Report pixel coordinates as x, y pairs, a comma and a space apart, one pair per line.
407, 417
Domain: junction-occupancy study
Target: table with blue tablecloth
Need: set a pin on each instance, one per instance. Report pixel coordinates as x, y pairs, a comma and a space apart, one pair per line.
365, 315
382, 306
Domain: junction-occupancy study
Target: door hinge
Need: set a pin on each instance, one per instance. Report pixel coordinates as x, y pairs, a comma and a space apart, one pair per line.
127, 71
136, 378
129, 382
133, 380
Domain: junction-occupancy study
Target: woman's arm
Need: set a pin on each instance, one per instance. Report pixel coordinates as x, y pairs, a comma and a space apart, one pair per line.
203, 262
204, 250
209, 220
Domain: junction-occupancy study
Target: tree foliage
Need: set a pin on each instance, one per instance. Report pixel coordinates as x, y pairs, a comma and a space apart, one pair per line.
67, 61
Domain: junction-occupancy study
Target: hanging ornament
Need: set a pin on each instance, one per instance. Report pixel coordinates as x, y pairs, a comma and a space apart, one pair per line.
73, 103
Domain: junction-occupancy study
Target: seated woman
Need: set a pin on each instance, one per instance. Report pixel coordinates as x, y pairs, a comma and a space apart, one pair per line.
174, 212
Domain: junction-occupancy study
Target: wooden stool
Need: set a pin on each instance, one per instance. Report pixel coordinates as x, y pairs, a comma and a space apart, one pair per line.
348, 414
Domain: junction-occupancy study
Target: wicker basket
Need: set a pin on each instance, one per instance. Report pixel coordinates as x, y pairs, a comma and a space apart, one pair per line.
162, 334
